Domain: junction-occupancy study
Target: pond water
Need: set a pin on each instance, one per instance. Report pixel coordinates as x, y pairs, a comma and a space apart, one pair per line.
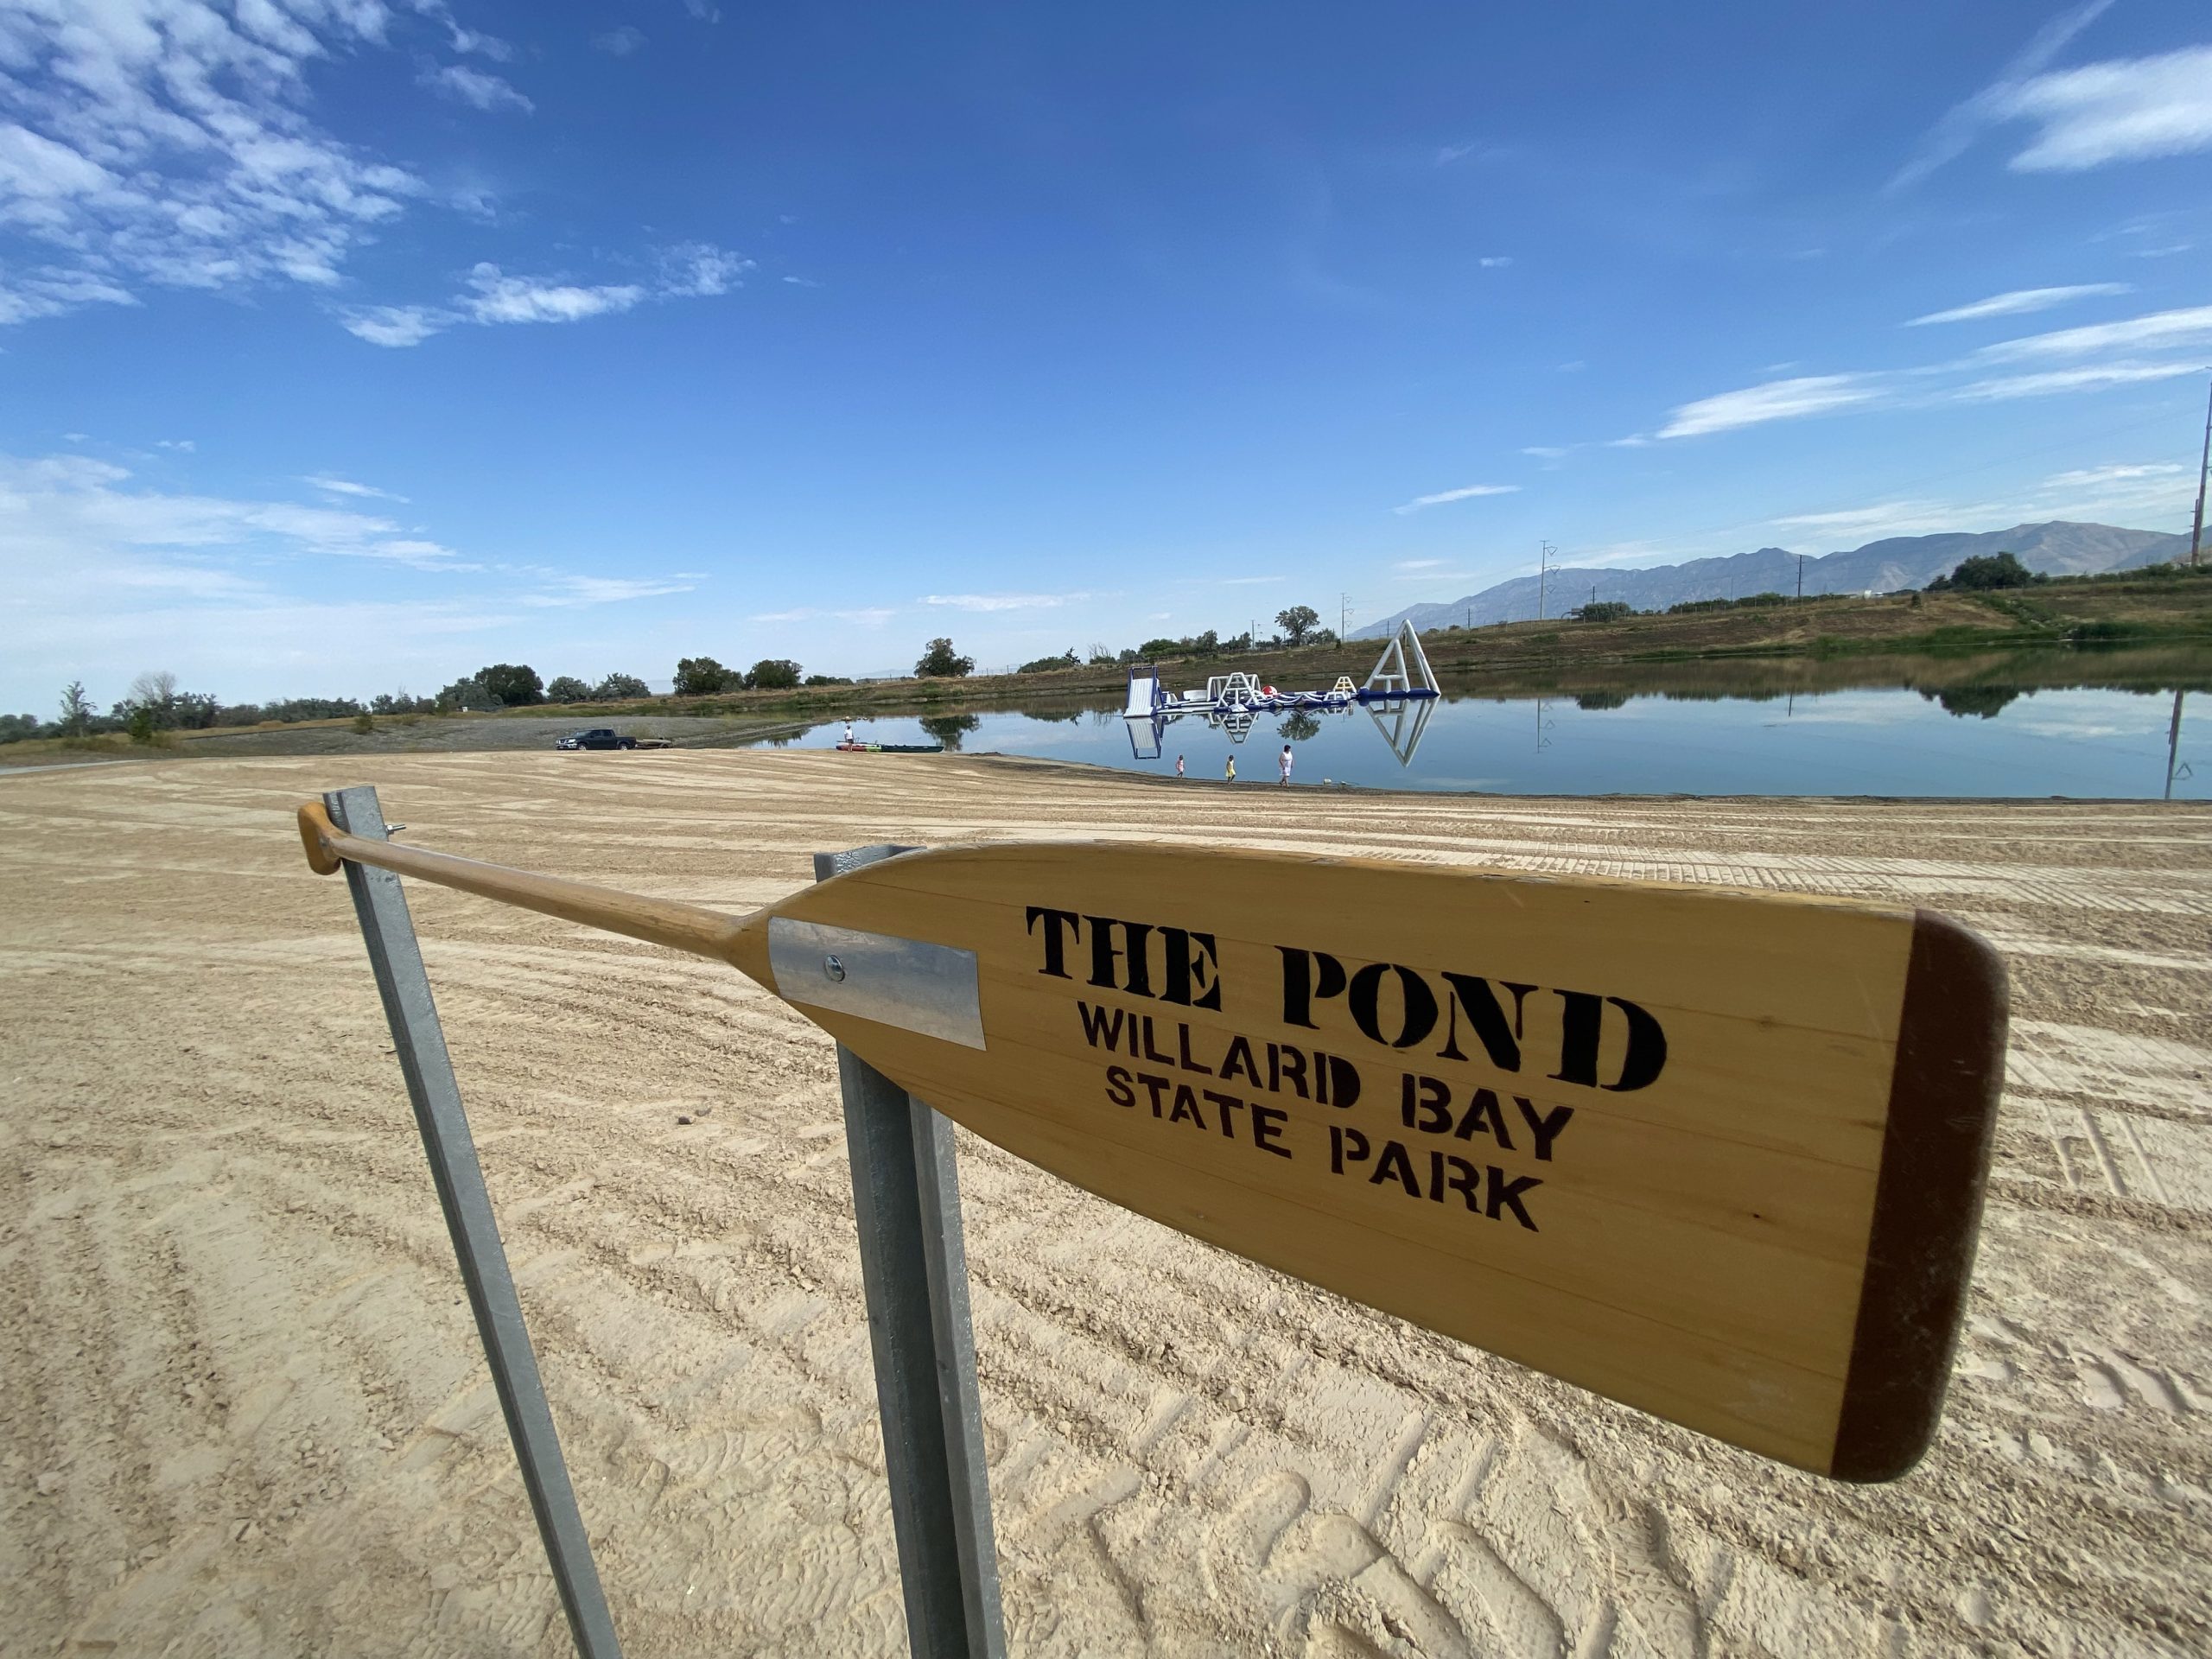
2079, 741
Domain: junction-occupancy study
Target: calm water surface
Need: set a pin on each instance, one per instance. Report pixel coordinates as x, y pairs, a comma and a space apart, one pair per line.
2080, 742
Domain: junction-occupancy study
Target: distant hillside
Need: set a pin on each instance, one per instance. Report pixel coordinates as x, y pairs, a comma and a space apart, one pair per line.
2056, 549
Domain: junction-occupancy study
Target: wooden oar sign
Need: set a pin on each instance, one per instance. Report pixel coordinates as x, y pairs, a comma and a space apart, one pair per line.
1717, 1154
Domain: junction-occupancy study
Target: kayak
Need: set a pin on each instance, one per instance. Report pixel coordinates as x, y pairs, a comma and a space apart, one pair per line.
890, 748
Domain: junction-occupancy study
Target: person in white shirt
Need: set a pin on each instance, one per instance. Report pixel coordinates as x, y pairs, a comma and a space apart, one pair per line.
1284, 763
849, 731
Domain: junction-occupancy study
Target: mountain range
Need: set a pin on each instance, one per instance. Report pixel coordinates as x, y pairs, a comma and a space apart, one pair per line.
2056, 549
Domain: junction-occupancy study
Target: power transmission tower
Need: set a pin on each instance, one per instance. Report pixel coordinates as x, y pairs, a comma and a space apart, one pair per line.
1543, 570
1343, 616
2196, 530
1801, 577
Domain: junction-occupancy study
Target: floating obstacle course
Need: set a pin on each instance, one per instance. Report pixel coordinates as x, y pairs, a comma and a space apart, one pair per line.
1400, 677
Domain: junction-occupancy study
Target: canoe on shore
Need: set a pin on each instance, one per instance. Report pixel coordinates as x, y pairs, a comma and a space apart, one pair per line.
890, 748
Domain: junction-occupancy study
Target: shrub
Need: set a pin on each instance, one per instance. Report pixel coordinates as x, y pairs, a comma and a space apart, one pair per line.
940, 662
772, 674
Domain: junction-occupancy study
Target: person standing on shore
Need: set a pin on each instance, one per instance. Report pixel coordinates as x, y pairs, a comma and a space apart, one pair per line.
848, 730
1178, 766
1284, 763
1229, 776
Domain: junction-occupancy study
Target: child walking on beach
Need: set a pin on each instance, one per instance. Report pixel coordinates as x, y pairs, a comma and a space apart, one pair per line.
1229, 776
1284, 763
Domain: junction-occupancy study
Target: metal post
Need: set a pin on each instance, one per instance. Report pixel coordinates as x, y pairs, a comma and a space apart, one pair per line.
405, 989
914, 1271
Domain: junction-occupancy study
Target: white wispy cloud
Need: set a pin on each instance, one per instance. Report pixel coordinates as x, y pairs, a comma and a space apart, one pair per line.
868, 617
492, 296
2094, 376
346, 487
2100, 477
2128, 109
169, 143
1466, 494
2157, 330
564, 591
1963, 123
1448, 154
183, 445
1545, 451
1495, 261
1003, 602
618, 43
2021, 300
472, 87
1420, 564
1776, 400
176, 143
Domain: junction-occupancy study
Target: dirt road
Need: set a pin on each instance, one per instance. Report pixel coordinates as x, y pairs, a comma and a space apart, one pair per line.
243, 1412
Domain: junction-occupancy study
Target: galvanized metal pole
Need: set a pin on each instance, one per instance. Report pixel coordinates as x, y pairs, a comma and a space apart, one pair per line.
405, 989
914, 1273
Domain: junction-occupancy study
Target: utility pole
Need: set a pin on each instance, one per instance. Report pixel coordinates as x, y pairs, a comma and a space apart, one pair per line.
2197, 530
1543, 569
1801, 577
1343, 615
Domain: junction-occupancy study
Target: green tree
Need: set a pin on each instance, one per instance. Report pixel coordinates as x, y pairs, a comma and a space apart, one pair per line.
1299, 726
617, 686
567, 688
1983, 573
828, 679
512, 684
76, 709
1603, 610
940, 662
773, 674
1047, 665
702, 676
468, 694
1297, 622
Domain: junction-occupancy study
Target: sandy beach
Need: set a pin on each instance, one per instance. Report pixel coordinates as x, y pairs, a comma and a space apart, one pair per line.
246, 1414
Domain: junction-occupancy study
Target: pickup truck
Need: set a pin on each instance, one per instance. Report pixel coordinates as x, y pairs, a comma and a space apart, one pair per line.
599, 737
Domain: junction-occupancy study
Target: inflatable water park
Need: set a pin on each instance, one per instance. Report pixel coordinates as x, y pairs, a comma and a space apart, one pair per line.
1401, 683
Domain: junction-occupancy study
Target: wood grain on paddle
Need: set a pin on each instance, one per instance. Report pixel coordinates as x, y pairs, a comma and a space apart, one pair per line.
1646, 1138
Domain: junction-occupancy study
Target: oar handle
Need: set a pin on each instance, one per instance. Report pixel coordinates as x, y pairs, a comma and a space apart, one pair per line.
659, 921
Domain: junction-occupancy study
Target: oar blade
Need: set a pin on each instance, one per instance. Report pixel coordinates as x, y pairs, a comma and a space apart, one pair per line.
1718, 1155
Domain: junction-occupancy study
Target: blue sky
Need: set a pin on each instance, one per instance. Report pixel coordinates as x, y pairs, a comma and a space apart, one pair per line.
346, 344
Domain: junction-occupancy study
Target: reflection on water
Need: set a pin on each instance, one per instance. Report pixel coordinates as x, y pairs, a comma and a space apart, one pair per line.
1681, 731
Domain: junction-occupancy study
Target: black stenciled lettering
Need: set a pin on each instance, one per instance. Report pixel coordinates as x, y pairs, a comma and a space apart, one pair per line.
1117, 1086
1473, 996
1424, 1102
1186, 1107
1239, 1061
1484, 1112
1102, 1027
1183, 1047
1153, 1086
1505, 1194
1578, 1044
1306, 975
1343, 1083
1449, 1174
1286, 1064
1346, 1145
1395, 1165
1143, 1022
1646, 1049
1056, 962
1581, 1026
1136, 974
1545, 1128
1417, 1009
1193, 969
1267, 1129
1228, 1105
